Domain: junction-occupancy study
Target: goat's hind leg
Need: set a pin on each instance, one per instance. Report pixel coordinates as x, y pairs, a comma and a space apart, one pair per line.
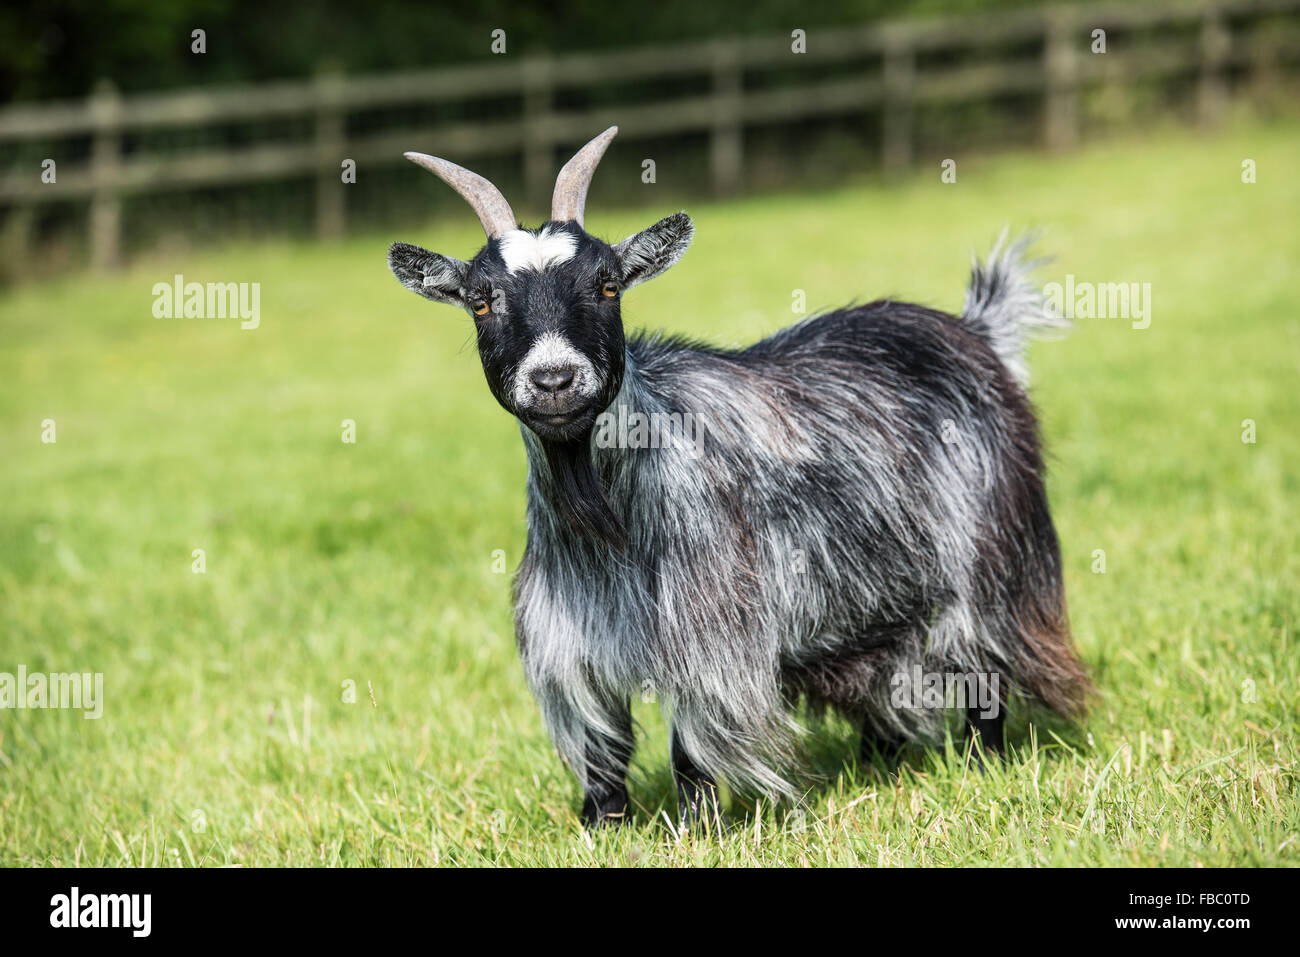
871, 743
986, 723
986, 732
883, 728
697, 792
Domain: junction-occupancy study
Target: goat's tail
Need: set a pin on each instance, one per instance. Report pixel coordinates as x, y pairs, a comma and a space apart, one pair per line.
1004, 307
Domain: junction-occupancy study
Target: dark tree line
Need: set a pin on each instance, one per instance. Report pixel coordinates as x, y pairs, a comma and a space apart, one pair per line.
59, 48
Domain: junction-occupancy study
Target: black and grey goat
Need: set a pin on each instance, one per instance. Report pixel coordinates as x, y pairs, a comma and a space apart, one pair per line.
866, 502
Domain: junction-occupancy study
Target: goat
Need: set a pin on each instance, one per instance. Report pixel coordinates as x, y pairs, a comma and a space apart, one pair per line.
868, 499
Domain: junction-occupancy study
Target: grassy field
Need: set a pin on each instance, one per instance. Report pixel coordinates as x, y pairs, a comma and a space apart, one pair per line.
228, 736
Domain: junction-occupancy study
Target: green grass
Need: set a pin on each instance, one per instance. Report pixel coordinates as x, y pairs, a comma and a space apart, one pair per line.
373, 562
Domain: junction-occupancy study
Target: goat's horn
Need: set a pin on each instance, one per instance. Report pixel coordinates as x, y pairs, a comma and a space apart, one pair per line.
493, 210
570, 197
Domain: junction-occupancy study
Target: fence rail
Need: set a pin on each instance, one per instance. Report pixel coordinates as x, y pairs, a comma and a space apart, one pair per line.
894, 82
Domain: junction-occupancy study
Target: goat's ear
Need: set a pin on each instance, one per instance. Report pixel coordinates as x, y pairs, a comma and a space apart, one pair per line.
440, 278
646, 254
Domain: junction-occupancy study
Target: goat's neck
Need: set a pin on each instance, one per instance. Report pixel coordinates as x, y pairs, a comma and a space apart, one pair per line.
563, 477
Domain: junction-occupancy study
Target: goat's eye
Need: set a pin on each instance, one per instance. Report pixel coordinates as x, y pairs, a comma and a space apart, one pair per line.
609, 290
480, 307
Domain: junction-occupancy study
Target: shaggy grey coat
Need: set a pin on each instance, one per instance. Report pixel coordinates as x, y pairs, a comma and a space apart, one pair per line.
867, 496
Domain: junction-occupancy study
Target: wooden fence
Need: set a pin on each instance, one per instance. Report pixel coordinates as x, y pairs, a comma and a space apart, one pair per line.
896, 77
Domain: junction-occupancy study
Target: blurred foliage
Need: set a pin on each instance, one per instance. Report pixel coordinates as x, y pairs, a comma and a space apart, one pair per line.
59, 48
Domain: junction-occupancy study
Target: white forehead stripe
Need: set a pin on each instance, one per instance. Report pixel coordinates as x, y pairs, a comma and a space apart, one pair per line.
525, 250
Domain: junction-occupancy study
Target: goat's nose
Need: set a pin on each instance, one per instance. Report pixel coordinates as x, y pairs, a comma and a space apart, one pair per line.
553, 380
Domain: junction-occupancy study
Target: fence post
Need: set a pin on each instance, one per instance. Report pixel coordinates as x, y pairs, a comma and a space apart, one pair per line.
1212, 94
105, 163
899, 77
538, 92
331, 142
726, 141
1263, 48
1061, 104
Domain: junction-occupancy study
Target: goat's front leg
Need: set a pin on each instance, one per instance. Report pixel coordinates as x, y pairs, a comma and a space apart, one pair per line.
697, 792
605, 798
987, 734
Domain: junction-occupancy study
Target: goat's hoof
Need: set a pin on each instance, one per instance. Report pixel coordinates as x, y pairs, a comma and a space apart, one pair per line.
981, 756
605, 820
704, 820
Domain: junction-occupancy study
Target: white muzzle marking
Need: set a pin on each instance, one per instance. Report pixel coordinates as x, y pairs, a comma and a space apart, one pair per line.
552, 351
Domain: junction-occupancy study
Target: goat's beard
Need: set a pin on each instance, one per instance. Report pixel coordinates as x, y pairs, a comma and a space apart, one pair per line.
579, 493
